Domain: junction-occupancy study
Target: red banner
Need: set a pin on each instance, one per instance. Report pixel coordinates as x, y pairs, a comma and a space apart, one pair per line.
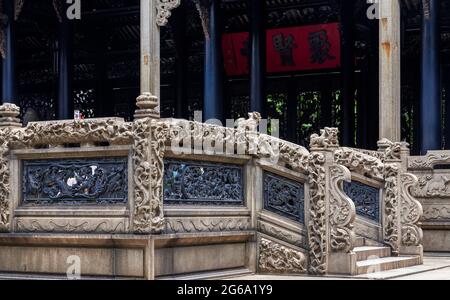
288, 49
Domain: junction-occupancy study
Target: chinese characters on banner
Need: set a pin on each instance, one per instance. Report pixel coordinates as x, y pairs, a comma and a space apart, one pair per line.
288, 49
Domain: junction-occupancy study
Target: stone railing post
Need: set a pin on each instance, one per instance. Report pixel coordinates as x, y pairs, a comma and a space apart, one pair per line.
150, 135
331, 212
402, 213
9, 119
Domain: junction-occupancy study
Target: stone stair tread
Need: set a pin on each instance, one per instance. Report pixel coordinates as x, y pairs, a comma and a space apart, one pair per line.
368, 248
372, 262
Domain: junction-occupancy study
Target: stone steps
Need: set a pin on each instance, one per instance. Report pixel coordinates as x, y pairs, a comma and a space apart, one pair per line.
362, 242
368, 252
373, 257
386, 263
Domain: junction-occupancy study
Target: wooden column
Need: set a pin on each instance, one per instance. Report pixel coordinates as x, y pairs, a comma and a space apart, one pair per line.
64, 104
9, 88
389, 64
292, 111
258, 56
446, 81
213, 102
348, 72
178, 25
430, 103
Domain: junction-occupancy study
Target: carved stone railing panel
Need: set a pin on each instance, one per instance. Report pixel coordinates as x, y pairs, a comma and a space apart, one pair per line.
51, 134
284, 197
203, 183
70, 182
366, 199
342, 211
276, 258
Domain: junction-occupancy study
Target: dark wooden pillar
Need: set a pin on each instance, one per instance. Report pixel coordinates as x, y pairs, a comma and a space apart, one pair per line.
430, 103
178, 26
103, 100
213, 102
326, 103
292, 111
373, 92
347, 72
64, 104
9, 88
258, 56
446, 77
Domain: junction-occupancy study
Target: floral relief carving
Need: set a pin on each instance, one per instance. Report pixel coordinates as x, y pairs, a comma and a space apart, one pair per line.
436, 213
411, 212
4, 180
275, 258
282, 234
317, 226
72, 226
190, 225
342, 211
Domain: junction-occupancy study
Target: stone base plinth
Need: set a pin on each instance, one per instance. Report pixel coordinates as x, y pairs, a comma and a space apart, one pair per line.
126, 256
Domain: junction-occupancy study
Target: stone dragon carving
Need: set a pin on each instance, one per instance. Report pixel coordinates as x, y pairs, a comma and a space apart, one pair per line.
391, 207
55, 133
190, 137
391, 150
163, 9
359, 162
428, 161
411, 212
317, 226
342, 211
275, 258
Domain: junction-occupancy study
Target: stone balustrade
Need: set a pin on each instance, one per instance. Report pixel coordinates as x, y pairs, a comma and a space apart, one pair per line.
168, 177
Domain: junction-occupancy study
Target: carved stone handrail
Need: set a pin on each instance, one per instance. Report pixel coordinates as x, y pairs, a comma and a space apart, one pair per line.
429, 161
189, 137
